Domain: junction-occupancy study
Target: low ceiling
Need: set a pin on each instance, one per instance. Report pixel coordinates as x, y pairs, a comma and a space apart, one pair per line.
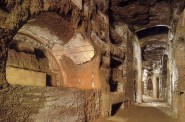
141, 14
154, 51
153, 43
55, 26
151, 20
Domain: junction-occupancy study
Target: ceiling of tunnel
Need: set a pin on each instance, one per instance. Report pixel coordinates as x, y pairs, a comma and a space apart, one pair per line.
151, 20
153, 42
154, 38
51, 26
141, 14
156, 30
152, 52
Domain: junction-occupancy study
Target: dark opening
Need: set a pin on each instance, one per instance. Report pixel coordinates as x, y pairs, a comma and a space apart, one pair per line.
12, 46
69, 14
115, 108
135, 91
48, 80
39, 53
113, 86
80, 23
152, 31
115, 63
126, 3
142, 53
158, 88
143, 2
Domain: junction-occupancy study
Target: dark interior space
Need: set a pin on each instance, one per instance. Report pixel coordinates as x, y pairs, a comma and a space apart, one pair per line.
115, 108
152, 31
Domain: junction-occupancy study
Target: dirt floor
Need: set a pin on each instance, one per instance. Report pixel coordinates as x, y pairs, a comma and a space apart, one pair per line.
153, 111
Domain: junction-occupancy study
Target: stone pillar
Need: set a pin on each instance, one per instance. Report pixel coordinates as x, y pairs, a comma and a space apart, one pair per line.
138, 67
169, 97
154, 81
160, 86
139, 91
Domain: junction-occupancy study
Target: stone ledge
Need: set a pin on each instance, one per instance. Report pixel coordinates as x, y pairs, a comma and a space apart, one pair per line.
20, 103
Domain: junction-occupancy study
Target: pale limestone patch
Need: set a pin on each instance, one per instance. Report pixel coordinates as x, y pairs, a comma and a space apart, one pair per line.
24, 77
79, 49
78, 3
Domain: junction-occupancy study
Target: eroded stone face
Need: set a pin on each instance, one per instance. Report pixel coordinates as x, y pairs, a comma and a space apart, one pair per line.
85, 47
35, 56
143, 14
177, 66
66, 38
72, 48
66, 42
154, 51
49, 104
44, 33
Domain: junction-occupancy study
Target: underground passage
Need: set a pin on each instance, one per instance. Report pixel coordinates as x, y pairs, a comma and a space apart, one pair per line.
92, 60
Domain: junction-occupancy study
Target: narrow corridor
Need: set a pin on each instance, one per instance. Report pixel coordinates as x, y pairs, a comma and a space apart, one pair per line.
92, 60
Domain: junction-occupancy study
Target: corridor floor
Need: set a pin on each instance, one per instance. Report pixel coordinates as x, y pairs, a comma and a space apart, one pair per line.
146, 112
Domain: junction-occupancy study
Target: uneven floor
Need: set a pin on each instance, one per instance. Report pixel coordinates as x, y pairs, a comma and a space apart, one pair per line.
155, 111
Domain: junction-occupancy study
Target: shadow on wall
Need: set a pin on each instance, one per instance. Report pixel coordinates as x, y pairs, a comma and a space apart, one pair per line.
115, 108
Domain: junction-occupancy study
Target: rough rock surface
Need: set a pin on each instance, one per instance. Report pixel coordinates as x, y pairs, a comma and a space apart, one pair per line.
143, 14
48, 104
107, 45
27, 61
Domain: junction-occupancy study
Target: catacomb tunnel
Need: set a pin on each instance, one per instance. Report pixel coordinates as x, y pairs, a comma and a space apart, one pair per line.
92, 60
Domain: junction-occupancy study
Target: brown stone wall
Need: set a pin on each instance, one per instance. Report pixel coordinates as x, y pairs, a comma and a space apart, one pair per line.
3, 58
16, 13
27, 61
129, 88
84, 17
92, 105
48, 104
178, 95
90, 19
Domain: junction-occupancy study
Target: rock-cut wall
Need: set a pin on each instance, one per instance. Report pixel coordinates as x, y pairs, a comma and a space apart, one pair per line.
38, 104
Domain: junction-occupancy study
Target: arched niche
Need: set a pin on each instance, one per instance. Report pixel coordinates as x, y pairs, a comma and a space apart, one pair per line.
69, 53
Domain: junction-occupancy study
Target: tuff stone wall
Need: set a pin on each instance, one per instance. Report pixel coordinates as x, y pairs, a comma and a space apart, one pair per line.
48, 104
84, 17
89, 19
26, 68
27, 61
3, 57
93, 105
179, 84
